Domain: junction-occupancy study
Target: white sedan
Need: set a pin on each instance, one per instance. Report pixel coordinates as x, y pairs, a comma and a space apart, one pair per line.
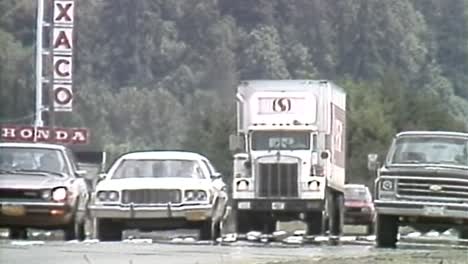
159, 190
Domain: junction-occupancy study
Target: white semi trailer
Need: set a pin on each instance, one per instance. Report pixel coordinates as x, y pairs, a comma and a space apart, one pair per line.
289, 155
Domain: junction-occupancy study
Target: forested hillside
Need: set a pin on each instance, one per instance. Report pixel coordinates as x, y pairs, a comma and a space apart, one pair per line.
158, 74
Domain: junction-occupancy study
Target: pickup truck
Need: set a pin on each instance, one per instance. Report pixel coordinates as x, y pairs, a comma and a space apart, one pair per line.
423, 183
41, 187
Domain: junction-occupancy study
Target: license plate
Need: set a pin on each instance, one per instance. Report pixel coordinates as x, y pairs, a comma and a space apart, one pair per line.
13, 210
277, 205
195, 216
434, 210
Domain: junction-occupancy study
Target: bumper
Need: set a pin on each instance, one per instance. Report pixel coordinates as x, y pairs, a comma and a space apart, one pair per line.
188, 212
279, 205
31, 214
426, 209
358, 218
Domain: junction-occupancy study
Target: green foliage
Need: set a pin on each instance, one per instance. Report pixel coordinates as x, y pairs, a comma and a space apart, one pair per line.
161, 74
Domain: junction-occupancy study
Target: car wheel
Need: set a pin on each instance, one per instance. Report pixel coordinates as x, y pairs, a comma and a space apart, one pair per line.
387, 231
75, 231
18, 233
210, 230
106, 230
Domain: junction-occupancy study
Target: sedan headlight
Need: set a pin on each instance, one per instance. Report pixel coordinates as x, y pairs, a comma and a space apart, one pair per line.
59, 194
46, 194
195, 196
107, 196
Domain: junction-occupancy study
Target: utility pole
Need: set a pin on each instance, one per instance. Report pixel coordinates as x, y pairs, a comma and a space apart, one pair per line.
40, 20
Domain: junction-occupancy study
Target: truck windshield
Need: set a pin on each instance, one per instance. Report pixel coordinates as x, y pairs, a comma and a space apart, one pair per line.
431, 150
280, 140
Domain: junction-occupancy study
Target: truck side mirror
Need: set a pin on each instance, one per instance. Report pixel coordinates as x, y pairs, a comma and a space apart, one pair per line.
236, 143
373, 162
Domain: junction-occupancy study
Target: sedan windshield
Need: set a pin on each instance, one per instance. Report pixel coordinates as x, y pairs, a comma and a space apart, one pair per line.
431, 150
359, 194
280, 140
32, 160
158, 169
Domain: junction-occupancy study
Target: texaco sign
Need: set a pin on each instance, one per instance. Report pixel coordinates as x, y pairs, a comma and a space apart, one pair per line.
63, 54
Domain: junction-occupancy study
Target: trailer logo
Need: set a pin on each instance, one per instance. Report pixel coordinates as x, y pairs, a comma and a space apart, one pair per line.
282, 105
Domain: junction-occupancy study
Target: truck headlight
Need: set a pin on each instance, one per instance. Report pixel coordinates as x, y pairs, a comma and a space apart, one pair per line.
242, 186
387, 185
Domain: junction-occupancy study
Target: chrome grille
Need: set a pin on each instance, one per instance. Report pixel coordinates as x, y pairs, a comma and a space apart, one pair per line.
278, 180
151, 196
433, 189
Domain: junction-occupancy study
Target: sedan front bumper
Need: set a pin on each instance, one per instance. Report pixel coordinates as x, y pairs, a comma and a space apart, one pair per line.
35, 214
187, 212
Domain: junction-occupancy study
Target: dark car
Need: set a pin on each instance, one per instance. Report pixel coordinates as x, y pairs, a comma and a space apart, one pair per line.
359, 208
41, 187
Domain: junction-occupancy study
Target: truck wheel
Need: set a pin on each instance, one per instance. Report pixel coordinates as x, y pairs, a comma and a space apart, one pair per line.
18, 233
370, 229
315, 222
107, 230
387, 231
336, 213
75, 231
463, 233
209, 231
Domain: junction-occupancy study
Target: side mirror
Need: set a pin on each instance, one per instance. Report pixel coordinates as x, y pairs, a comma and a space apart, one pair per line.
216, 175
102, 176
80, 173
373, 162
236, 143
324, 155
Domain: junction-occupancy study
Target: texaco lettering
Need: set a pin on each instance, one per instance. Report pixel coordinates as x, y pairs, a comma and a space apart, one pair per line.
338, 135
63, 12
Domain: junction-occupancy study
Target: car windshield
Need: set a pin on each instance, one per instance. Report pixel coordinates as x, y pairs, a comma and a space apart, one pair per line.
353, 193
158, 169
274, 140
32, 159
431, 150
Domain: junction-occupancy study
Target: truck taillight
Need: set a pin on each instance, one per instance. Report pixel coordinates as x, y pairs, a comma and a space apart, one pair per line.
317, 170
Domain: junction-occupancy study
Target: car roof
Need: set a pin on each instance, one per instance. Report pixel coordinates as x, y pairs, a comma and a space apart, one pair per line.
184, 155
32, 145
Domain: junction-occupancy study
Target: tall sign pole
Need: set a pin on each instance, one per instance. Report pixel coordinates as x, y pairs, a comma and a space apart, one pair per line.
40, 20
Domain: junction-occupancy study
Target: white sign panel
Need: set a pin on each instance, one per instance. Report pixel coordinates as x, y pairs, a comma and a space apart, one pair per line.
63, 40
283, 108
63, 69
63, 97
63, 12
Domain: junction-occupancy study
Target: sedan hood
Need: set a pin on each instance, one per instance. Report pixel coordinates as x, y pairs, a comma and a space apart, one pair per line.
22, 181
154, 183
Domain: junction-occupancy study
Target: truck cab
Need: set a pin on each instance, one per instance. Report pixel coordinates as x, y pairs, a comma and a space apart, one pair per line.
423, 183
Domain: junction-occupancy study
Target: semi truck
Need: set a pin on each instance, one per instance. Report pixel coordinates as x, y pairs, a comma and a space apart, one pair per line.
289, 155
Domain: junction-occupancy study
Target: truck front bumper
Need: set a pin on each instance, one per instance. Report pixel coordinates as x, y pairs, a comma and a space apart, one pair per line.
427, 209
279, 205
187, 212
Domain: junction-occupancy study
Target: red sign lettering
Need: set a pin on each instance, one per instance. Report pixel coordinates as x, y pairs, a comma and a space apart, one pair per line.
44, 134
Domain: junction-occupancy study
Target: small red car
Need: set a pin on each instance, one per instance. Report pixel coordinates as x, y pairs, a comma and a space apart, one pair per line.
359, 208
